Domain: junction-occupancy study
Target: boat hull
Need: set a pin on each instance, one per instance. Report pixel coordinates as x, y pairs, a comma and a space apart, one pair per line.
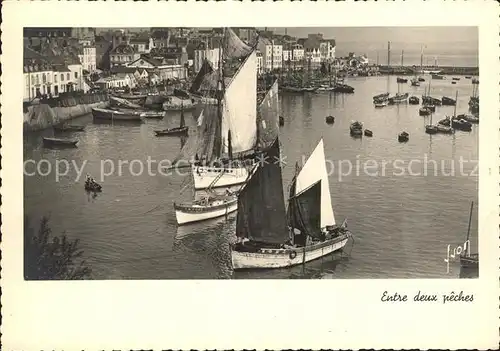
204, 176
280, 258
190, 214
172, 131
111, 115
53, 142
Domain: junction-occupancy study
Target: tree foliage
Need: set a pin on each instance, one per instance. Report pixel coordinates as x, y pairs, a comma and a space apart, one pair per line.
49, 257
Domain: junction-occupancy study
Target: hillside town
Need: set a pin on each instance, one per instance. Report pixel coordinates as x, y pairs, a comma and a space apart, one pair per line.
61, 60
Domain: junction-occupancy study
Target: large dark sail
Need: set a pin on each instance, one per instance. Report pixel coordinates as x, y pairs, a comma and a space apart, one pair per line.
205, 70
261, 208
304, 211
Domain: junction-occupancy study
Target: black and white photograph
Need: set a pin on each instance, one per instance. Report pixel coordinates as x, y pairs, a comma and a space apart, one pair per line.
250, 152
229, 175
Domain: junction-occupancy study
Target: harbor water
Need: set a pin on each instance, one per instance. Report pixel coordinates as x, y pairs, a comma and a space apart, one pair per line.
404, 202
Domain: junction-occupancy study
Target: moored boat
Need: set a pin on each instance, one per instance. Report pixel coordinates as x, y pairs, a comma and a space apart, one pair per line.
401, 80
270, 237
469, 118
403, 137
443, 129
58, 142
455, 78
383, 96
424, 111
368, 133
415, 82
431, 129
114, 115
356, 128
281, 121
437, 76
153, 114
68, 128
413, 100
399, 98
461, 124
206, 208
446, 101
381, 103
330, 119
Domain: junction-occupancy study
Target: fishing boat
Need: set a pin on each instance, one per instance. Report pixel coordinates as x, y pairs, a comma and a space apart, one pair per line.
114, 115
438, 76
330, 119
182, 129
206, 208
356, 128
58, 142
68, 128
381, 103
153, 114
460, 123
270, 237
413, 100
469, 118
403, 137
468, 260
421, 79
443, 129
445, 122
399, 99
383, 96
415, 82
424, 111
234, 132
446, 101
343, 88
468, 77
402, 80
431, 128
115, 101
455, 78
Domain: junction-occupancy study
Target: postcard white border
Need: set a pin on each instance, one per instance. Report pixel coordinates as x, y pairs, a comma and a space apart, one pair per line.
157, 315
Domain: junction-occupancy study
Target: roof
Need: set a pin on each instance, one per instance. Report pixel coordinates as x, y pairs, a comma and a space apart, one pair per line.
140, 39
123, 69
160, 34
123, 49
149, 60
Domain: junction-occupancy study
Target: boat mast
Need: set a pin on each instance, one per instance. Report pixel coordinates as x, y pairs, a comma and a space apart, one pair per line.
183, 122
468, 229
222, 88
402, 57
456, 102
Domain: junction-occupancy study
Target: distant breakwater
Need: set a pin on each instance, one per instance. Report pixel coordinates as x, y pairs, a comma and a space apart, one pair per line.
49, 112
472, 71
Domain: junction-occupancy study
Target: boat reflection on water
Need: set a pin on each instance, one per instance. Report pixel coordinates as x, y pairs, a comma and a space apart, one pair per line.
208, 244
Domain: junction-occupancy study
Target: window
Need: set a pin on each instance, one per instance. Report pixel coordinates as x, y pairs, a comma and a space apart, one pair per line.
44, 78
68, 77
37, 79
76, 75
55, 78
62, 77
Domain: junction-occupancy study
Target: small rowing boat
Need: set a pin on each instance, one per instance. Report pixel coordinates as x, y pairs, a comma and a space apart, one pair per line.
49, 142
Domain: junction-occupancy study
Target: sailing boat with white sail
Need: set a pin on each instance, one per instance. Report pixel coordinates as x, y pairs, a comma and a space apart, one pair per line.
268, 237
227, 133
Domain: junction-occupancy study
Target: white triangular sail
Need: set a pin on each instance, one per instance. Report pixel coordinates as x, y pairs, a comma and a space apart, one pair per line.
313, 170
240, 107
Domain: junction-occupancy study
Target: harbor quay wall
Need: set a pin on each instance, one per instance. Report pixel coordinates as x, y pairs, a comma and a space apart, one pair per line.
43, 115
